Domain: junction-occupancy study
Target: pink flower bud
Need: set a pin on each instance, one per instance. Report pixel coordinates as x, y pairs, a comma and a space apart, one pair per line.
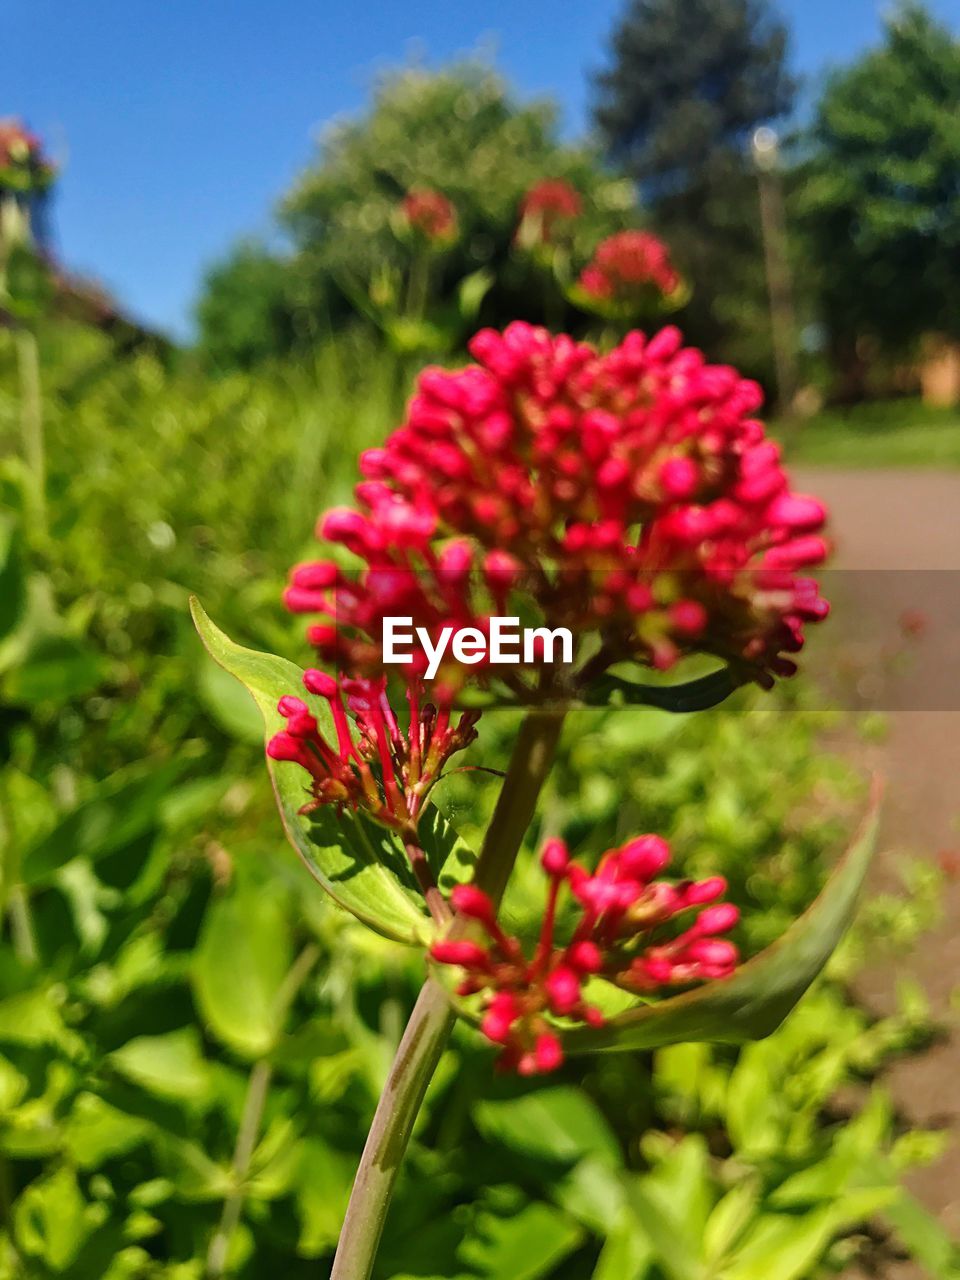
500, 1017
797, 512
717, 919
689, 617
719, 955
320, 683
501, 570
314, 575
563, 990
473, 902
584, 957
703, 891
548, 1053
469, 955
645, 857
679, 477
555, 858
283, 746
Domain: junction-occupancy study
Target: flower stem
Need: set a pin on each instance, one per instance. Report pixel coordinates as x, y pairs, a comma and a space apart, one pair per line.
253, 1105
31, 423
530, 763
432, 1019
436, 902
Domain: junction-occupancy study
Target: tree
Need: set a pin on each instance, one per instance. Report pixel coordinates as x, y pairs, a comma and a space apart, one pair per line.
247, 311
689, 82
461, 133
881, 198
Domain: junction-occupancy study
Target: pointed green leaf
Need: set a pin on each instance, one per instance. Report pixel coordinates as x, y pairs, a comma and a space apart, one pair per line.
239, 968
752, 1003
691, 695
362, 866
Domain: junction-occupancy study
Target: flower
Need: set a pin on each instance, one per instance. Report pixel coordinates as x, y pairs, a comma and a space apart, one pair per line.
374, 766
429, 214
546, 208
631, 497
23, 166
626, 269
621, 935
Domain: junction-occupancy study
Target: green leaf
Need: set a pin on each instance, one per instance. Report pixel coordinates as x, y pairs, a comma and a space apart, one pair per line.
238, 971
752, 1003
94, 1131
522, 1247
169, 1066
13, 592
924, 1237
559, 1123
33, 1018
229, 703
676, 1254
56, 668
52, 1220
693, 695
323, 1190
361, 865
788, 1247
120, 811
195, 1177
626, 1253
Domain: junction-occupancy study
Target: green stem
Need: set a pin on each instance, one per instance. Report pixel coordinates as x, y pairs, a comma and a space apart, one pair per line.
533, 753
21, 925
258, 1087
31, 423
432, 1019
253, 1105
423, 1042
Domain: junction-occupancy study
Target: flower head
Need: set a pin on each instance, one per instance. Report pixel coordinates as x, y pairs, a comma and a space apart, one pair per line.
372, 764
23, 165
627, 271
631, 497
429, 214
624, 932
547, 208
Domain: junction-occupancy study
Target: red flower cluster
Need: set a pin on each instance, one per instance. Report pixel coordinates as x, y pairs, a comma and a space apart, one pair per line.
430, 214
23, 165
544, 209
631, 496
627, 266
620, 936
384, 771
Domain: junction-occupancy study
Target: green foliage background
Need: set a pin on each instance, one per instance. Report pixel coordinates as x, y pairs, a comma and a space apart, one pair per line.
169, 964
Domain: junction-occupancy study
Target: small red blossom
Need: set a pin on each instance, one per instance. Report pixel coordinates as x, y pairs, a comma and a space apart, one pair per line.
430, 214
23, 165
373, 765
621, 934
627, 267
548, 207
631, 496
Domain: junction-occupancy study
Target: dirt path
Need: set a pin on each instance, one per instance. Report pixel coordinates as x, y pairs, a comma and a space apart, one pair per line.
898, 549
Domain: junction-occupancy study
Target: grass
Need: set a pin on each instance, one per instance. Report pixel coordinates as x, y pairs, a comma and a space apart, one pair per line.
890, 433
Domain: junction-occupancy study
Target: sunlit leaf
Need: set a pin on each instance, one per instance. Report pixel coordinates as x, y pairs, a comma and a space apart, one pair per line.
169, 1066
242, 958
361, 865
120, 811
558, 1123
754, 1002
524, 1246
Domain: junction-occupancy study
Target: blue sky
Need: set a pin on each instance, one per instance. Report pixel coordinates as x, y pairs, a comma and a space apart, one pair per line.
179, 123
